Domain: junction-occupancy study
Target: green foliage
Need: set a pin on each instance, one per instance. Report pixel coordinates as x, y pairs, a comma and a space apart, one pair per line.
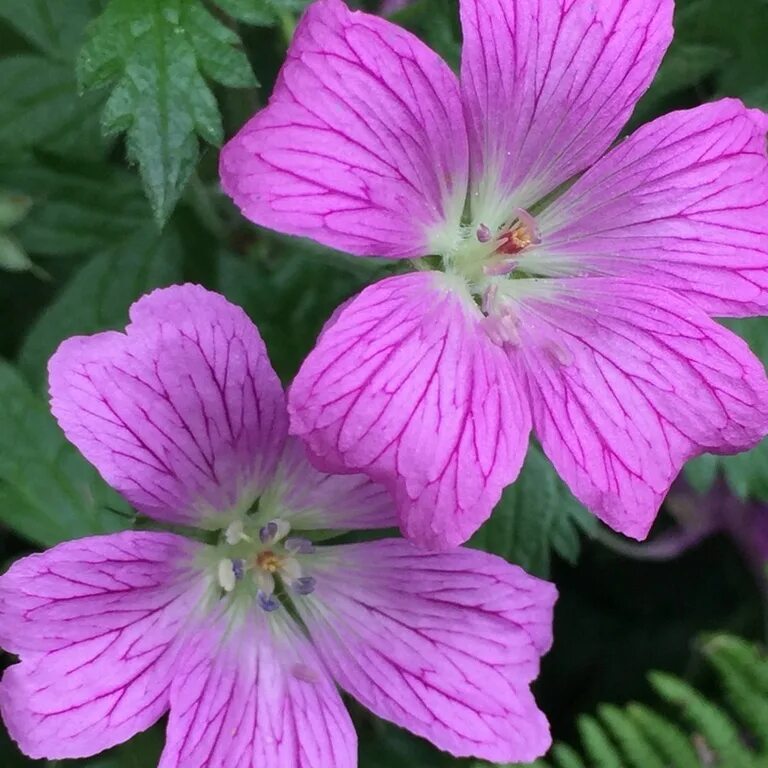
536, 515
94, 301
48, 492
261, 12
700, 732
13, 208
155, 54
744, 472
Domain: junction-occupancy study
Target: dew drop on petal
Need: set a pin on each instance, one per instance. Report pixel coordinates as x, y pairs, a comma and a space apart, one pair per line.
305, 674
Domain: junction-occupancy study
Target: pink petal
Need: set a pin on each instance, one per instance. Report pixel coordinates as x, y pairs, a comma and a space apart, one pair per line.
183, 413
629, 381
312, 500
256, 697
95, 623
445, 645
363, 145
548, 85
407, 387
685, 199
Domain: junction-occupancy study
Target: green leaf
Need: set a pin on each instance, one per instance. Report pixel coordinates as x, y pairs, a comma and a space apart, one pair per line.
40, 107
154, 54
536, 514
277, 286
744, 472
13, 258
48, 492
99, 294
78, 208
261, 12
13, 208
56, 27
685, 65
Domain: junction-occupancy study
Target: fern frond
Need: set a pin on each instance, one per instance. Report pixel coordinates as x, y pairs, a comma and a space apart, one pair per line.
637, 750
671, 743
708, 734
712, 723
744, 675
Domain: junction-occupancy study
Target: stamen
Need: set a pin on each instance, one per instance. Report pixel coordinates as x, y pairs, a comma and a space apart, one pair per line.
483, 234
304, 586
291, 569
265, 581
226, 574
274, 531
531, 227
235, 533
500, 268
298, 546
267, 602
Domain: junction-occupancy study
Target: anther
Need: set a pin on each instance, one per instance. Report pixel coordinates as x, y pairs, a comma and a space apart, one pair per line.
304, 586
298, 546
235, 533
267, 602
274, 531
227, 575
483, 234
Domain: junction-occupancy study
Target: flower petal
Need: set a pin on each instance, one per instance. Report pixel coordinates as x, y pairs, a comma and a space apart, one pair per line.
256, 697
363, 145
684, 199
629, 381
95, 623
444, 644
182, 414
312, 500
548, 84
407, 387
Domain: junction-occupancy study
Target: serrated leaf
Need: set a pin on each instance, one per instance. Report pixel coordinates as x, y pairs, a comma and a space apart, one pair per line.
40, 107
154, 53
99, 294
48, 492
536, 514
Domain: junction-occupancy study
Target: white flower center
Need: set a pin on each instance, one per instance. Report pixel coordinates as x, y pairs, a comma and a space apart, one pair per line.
264, 562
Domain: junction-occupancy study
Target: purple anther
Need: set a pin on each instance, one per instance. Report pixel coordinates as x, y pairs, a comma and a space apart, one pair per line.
238, 568
268, 532
304, 586
483, 233
268, 602
298, 546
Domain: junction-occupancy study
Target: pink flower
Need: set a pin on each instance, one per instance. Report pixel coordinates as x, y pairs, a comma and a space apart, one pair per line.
578, 282
185, 417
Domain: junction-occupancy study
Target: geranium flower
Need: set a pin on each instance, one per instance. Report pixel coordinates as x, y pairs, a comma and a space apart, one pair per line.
241, 627
574, 285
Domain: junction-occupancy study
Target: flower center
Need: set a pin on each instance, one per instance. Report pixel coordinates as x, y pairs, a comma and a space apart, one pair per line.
268, 565
483, 253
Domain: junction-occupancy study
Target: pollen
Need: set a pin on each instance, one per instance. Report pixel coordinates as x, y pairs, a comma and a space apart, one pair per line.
515, 240
268, 561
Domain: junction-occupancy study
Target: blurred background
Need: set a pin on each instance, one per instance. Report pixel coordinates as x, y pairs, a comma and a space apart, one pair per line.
108, 188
